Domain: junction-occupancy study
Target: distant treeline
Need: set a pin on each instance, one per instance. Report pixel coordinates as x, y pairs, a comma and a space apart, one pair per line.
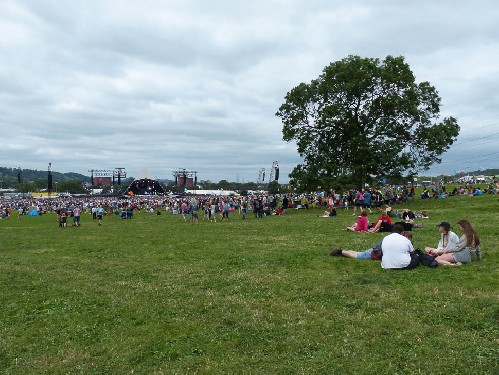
12, 174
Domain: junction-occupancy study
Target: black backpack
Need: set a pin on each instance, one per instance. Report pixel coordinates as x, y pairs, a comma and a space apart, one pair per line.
426, 259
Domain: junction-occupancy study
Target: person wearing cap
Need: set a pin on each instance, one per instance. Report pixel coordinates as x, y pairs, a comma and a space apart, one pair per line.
448, 240
468, 244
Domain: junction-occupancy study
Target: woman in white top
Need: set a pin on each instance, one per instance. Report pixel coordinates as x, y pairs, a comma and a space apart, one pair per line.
468, 244
448, 240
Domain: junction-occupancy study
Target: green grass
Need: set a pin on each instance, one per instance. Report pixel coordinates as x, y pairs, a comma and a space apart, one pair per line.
154, 295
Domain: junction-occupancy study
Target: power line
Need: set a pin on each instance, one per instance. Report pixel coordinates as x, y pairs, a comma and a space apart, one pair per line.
490, 153
461, 163
455, 162
482, 120
475, 145
476, 139
475, 129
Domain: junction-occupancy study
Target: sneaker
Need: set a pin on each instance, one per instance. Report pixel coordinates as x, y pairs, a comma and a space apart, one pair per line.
336, 252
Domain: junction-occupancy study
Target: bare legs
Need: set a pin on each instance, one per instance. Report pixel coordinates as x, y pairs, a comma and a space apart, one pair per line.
376, 228
349, 253
447, 259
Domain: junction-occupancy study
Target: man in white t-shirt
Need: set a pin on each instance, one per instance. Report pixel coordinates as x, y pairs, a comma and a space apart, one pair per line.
398, 252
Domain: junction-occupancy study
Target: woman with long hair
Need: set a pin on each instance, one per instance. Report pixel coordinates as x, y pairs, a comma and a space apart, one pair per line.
448, 240
468, 244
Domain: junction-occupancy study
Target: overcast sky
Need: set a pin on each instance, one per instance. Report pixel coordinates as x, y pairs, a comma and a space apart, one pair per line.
153, 86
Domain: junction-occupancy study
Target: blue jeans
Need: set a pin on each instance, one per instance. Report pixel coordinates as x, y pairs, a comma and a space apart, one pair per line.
366, 254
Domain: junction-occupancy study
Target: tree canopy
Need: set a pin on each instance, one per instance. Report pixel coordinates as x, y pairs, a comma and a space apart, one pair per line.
363, 118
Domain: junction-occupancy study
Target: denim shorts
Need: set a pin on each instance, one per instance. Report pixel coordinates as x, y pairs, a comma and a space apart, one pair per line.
366, 254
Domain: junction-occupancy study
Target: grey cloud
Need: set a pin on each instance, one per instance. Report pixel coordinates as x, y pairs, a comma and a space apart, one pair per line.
91, 84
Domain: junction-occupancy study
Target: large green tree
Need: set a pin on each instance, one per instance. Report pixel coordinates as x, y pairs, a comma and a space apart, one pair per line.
71, 186
364, 118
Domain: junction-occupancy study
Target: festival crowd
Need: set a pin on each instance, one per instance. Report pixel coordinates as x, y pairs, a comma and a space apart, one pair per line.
394, 251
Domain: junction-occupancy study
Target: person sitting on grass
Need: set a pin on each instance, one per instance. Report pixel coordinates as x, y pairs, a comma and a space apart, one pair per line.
398, 251
385, 227
461, 253
448, 240
330, 213
383, 224
408, 214
362, 223
373, 253
278, 211
421, 215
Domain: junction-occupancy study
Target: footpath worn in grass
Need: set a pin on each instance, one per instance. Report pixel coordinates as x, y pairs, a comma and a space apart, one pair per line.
156, 295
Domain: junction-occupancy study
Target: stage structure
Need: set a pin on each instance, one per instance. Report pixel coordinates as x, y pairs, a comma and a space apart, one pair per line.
185, 178
145, 186
274, 172
49, 179
101, 178
119, 173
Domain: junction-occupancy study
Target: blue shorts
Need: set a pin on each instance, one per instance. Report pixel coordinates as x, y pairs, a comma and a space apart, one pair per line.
366, 254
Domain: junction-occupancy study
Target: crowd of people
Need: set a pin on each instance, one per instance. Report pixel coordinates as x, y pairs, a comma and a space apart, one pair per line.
394, 251
210, 207
261, 205
368, 199
440, 191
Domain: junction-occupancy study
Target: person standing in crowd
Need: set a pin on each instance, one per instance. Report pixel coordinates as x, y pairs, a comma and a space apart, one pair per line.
244, 207
76, 216
193, 211
345, 200
213, 211
64, 218
367, 201
255, 203
184, 209
100, 214
358, 201
226, 208
285, 204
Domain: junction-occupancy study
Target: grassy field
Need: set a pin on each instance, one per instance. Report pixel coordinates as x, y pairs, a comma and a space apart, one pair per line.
154, 295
